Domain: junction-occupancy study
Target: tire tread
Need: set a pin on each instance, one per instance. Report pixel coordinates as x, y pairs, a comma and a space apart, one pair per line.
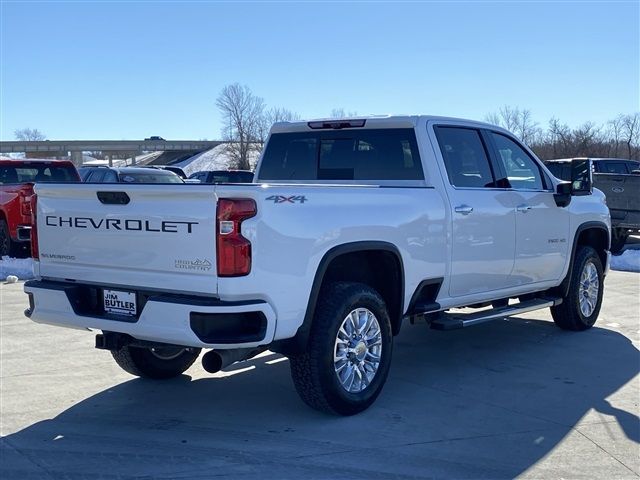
306, 368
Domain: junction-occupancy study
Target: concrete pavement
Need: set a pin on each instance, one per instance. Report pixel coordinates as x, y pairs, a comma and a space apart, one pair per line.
509, 398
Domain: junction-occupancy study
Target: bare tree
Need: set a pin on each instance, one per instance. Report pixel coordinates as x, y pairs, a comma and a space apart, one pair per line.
631, 132
506, 117
340, 113
29, 135
515, 120
618, 137
271, 116
586, 139
559, 135
242, 113
615, 129
526, 128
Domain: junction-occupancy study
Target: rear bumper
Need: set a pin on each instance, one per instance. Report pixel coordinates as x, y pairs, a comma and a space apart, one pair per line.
165, 318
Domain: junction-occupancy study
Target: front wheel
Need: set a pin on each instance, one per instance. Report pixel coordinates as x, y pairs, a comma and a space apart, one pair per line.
348, 355
580, 307
157, 362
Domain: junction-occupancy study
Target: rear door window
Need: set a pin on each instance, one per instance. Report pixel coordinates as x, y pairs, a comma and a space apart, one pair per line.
368, 154
465, 157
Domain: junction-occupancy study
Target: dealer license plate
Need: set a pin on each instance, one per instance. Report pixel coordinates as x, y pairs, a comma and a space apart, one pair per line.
121, 303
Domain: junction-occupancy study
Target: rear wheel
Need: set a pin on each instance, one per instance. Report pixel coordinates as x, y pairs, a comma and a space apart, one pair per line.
581, 306
156, 362
6, 244
348, 356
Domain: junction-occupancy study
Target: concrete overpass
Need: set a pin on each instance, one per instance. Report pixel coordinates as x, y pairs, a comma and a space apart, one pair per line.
76, 147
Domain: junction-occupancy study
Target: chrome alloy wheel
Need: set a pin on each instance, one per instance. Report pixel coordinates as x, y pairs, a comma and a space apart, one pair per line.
589, 289
166, 353
357, 350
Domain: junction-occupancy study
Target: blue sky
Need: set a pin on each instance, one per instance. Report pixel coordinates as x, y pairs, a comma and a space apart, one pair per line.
127, 70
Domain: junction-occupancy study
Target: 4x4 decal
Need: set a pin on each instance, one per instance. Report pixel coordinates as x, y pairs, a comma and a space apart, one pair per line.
283, 199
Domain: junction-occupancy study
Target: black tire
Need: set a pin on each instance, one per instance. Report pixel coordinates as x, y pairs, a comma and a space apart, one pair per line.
313, 371
6, 244
149, 363
619, 238
568, 315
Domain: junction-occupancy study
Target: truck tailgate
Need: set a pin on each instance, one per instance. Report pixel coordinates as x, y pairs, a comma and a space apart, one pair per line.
143, 236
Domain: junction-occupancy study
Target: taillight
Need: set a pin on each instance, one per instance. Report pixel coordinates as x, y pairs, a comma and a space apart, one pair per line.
35, 253
26, 205
234, 251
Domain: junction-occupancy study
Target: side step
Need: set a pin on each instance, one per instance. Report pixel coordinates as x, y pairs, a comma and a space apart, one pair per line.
452, 321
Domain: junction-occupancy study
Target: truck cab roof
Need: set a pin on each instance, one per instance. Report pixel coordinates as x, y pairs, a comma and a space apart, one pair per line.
366, 122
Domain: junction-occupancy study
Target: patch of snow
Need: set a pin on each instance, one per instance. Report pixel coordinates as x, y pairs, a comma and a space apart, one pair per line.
20, 267
215, 159
629, 261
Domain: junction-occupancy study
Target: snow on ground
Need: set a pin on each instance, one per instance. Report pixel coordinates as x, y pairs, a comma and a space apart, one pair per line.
629, 261
20, 267
215, 159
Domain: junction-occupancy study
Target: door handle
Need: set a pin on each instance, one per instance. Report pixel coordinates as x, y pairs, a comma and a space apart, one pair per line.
464, 209
523, 208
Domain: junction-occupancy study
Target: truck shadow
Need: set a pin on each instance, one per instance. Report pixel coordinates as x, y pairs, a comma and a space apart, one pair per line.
490, 401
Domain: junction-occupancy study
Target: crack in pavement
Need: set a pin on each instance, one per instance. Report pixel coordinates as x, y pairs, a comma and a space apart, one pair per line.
607, 452
5, 442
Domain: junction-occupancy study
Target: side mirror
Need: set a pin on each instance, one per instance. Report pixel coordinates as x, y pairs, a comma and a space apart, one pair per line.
563, 194
581, 177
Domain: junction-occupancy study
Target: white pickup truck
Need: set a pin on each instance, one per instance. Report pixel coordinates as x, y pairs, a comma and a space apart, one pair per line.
352, 226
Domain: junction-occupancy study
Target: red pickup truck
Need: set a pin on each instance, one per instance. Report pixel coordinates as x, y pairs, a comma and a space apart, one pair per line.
16, 188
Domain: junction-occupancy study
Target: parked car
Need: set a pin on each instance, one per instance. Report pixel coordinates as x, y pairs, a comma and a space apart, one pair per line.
16, 189
104, 174
561, 167
353, 225
223, 176
619, 179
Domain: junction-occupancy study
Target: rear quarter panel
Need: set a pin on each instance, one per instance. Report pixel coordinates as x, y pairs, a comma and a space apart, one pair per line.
289, 239
12, 196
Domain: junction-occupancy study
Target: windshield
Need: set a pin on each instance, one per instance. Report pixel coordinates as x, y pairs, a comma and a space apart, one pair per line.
150, 177
36, 173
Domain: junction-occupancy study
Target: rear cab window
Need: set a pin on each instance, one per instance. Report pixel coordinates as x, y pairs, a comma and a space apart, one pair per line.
338, 155
42, 173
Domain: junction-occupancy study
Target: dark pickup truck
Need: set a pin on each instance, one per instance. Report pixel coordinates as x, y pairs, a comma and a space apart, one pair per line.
16, 189
619, 180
